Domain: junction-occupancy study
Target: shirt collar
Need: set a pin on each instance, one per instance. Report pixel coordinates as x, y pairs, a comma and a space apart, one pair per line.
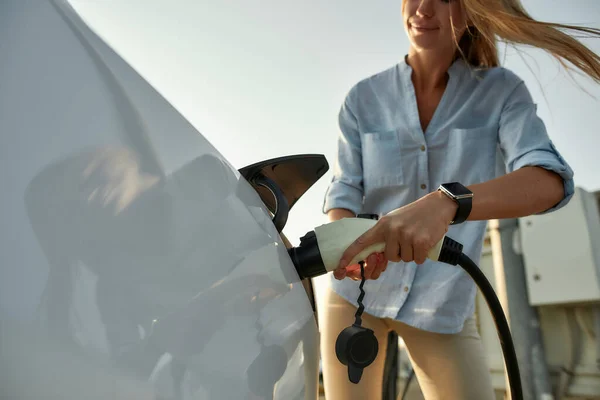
457, 66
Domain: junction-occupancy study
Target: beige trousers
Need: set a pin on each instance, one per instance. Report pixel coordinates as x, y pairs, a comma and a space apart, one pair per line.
447, 366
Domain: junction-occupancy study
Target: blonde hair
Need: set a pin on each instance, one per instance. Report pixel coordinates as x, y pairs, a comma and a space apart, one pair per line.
507, 20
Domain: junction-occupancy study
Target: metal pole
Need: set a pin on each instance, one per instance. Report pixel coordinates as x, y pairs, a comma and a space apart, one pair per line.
391, 369
511, 289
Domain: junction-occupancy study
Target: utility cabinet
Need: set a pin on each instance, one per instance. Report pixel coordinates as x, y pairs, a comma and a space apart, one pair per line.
561, 251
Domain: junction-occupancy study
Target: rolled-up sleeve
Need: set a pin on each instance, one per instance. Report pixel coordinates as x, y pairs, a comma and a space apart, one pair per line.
524, 141
346, 187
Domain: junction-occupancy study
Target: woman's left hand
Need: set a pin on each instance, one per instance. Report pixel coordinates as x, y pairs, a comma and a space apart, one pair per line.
408, 232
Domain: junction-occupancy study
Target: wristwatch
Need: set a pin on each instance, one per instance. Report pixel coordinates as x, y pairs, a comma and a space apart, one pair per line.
462, 196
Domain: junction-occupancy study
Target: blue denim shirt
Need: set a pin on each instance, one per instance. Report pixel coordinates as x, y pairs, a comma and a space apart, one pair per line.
386, 161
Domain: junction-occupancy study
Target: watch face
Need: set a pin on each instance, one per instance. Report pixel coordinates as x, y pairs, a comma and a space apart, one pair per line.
457, 189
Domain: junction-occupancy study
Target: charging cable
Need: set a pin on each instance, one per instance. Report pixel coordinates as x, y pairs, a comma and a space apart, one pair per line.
451, 253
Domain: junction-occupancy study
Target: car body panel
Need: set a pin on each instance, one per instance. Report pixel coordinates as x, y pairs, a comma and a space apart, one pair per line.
136, 261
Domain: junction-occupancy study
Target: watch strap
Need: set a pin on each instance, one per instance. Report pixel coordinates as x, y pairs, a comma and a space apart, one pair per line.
464, 199
463, 211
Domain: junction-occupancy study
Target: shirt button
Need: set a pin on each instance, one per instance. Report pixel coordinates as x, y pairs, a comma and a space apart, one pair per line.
406, 288
423, 186
423, 147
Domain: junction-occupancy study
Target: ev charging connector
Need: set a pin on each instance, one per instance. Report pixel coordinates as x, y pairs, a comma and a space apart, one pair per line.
320, 251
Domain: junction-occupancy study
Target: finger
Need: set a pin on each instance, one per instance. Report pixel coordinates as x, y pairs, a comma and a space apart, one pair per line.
392, 250
372, 259
372, 236
339, 273
420, 249
353, 270
384, 263
420, 255
353, 267
369, 269
348, 272
383, 260
356, 275
370, 265
378, 270
376, 267
406, 252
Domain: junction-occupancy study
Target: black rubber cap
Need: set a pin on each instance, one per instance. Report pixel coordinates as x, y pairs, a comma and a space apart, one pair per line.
357, 348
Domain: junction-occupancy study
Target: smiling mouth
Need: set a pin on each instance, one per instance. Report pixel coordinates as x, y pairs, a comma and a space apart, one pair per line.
422, 28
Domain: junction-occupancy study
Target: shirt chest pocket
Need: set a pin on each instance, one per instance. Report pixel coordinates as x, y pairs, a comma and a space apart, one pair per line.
384, 159
474, 151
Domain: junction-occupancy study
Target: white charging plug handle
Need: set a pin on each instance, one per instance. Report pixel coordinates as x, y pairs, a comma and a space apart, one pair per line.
335, 237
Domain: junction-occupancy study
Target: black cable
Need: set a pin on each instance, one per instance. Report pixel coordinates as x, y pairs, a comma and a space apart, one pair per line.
451, 253
508, 348
361, 307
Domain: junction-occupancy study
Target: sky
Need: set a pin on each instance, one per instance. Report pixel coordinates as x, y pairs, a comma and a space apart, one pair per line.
266, 78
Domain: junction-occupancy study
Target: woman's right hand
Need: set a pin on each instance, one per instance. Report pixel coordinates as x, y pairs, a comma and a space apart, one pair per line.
375, 260
376, 263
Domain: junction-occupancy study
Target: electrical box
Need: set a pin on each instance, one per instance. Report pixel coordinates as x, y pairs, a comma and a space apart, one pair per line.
561, 251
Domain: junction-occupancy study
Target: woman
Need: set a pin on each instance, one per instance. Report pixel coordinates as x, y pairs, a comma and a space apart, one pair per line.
438, 118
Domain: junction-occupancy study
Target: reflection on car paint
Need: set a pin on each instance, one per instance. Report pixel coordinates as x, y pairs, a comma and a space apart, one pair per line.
163, 273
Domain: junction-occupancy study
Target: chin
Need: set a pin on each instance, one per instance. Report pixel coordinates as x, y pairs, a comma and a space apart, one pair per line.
426, 45
429, 42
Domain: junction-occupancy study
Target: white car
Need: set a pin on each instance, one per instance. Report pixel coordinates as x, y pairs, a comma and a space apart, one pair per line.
136, 262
